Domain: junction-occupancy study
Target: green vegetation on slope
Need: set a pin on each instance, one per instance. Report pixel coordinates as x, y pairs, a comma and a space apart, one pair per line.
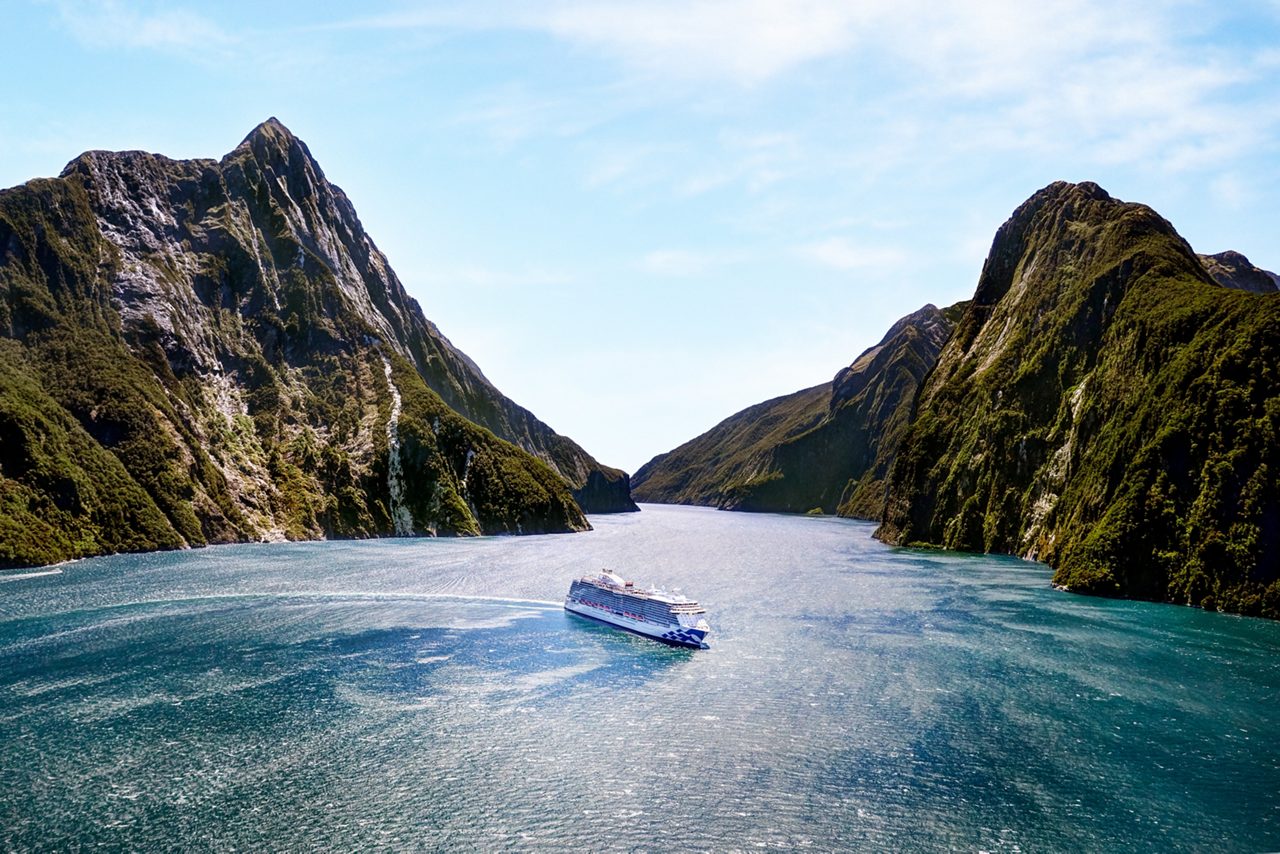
461, 479
62, 495
187, 357
703, 469
825, 449
66, 364
1105, 407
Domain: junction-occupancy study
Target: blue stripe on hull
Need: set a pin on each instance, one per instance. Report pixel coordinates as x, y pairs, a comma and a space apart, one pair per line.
658, 638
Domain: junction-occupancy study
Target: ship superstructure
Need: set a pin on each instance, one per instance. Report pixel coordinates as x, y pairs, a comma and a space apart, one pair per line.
653, 613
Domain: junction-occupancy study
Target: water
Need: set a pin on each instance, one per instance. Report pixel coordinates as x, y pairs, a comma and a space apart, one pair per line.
418, 694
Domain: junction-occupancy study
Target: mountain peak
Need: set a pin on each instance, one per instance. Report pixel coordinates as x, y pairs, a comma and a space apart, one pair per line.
1090, 190
272, 130
275, 148
1060, 194
925, 314
1231, 269
1064, 221
272, 142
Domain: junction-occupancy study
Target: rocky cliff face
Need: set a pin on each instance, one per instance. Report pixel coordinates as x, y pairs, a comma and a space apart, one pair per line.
1232, 270
1105, 406
212, 351
154, 208
825, 449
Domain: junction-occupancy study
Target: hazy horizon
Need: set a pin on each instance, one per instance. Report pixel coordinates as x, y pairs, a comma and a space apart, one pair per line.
639, 218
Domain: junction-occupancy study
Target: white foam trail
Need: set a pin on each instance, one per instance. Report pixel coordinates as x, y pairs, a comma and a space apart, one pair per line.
336, 595
23, 575
359, 594
401, 521
544, 602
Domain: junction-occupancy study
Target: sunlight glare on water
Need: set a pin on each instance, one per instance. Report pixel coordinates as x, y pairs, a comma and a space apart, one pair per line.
433, 694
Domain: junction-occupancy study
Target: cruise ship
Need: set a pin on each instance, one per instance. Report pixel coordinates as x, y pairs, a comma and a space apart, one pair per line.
666, 617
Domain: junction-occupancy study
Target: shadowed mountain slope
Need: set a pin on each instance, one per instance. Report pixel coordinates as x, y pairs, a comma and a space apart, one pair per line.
1232, 270
827, 448
1105, 406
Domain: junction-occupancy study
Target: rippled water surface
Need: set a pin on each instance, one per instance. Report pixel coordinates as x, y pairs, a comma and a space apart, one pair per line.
418, 694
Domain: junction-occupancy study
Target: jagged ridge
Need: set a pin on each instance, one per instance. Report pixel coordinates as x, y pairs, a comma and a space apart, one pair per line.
1106, 407
197, 351
1232, 270
320, 219
824, 449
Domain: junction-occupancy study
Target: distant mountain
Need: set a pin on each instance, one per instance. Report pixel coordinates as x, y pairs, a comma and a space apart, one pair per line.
214, 351
701, 470
1106, 406
826, 448
1232, 270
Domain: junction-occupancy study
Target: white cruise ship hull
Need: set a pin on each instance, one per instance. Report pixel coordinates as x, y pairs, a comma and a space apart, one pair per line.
675, 635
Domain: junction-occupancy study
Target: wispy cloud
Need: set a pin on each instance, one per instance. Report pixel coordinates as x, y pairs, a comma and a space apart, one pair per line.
840, 253
754, 160
112, 24
627, 166
515, 112
479, 276
746, 41
1231, 192
687, 262
740, 40
1121, 80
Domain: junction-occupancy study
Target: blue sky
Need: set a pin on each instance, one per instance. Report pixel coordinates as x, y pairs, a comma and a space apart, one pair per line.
640, 217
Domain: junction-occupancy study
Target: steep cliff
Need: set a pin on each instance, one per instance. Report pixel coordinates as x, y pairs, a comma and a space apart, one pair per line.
168, 214
1232, 270
827, 448
1105, 406
212, 351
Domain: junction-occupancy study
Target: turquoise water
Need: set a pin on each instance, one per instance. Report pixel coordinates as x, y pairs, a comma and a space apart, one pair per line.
418, 694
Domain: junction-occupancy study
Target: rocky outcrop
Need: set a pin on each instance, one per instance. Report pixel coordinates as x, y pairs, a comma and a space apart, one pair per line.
153, 207
221, 342
825, 449
1106, 406
1232, 270
606, 490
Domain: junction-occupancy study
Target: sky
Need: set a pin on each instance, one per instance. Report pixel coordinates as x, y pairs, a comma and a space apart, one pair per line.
641, 217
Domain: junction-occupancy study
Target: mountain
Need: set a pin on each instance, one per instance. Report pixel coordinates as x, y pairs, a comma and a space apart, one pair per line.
826, 448
1106, 406
214, 351
701, 470
1232, 270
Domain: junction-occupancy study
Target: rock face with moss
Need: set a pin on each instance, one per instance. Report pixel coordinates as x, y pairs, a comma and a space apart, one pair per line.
825, 449
214, 351
1232, 270
1105, 406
